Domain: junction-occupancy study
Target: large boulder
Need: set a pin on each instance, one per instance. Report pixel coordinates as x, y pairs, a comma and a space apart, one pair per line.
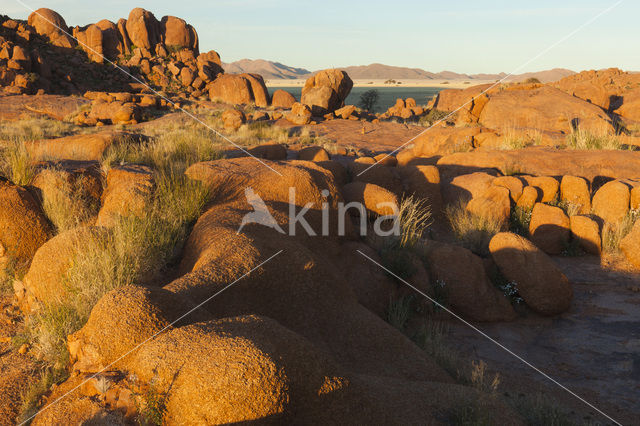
630, 245
282, 99
326, 91
373, 197
233, 119
300, 114
575, 190
543, 108
178, 34
239, 89
50, 24
23, 225
423, 182
586, 231
143, 29
127, 193
90, 39
78, 147
611, 202
463, 278
494, 203
537, 279
549, 228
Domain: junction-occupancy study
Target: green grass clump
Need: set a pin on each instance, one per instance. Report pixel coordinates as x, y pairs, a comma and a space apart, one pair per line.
519, 221
431, 117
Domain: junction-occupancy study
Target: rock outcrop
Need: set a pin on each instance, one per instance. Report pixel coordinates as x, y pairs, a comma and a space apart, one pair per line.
326, 91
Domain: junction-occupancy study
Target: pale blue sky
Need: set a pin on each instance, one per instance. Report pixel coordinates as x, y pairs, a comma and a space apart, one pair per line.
463, 36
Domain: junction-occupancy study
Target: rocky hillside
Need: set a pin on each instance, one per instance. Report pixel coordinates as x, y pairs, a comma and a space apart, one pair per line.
164, 53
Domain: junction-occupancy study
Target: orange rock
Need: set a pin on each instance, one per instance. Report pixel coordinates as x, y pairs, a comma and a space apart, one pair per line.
466, 187
538, 280
462, 276
493, 203
313, 153
375, 198
587, 232
300, 114
143, 29
282, 99
270, 151
177, 33
232, 89
365, 160
345, 112
233, 119
630, 245
128, 192
575, 190
548, 185
611, 202
50, 24
386, 160
549, 228
23, 225
326, 91
513, 184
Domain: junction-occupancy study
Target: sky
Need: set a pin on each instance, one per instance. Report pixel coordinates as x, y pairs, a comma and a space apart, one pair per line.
466, 36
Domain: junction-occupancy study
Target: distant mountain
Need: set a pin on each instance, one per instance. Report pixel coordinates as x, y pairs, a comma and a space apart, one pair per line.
275, 70
267, 69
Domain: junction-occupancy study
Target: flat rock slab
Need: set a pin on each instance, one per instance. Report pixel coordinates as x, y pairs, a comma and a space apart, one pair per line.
54, 106
593, 348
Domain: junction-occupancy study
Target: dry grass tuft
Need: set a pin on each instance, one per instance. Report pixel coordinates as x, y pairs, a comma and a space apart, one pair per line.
474, 231
414, 218
586, 139
15, 162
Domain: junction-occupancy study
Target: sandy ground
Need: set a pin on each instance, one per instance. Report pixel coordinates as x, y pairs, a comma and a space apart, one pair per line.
453, 84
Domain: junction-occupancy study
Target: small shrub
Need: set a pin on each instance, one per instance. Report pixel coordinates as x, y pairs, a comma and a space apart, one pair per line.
400, 311
433, 116
152, 410
532, 80
369, 99
396, 259
506, 287
519, 220
31, 397
474, 231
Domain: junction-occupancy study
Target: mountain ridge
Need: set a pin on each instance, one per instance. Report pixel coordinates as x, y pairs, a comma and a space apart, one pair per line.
276, 71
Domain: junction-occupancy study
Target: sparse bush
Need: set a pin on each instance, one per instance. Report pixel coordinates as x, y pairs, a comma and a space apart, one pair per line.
586, 139
474, 231
433, 116
369, 99
519, 221
152, 410
506, 287
613, 234
31, 397
396, 259
469, 413
532, 80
